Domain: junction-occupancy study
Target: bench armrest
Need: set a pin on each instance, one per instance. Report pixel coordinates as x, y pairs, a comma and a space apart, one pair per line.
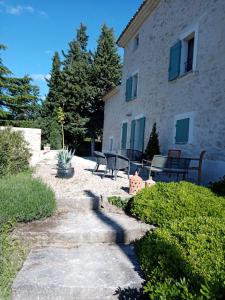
146, 161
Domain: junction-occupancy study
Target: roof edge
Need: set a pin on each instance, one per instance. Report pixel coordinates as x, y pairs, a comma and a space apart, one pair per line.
146, 8
111, 93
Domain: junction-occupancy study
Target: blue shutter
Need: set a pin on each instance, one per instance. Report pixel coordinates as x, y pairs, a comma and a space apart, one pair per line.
124, 136
129, 89
142, 131
174, 67
132, 134
182, 131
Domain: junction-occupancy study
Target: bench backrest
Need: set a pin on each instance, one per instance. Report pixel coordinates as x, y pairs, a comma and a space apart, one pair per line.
159, 161
100, 158
165, 162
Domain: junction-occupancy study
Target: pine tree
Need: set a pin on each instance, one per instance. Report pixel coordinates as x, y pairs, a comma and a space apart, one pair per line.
153, 147
50, 129
53, 99
76, 92
106, 74
18, 96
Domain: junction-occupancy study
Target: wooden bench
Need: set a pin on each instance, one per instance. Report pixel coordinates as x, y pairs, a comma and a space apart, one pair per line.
170, 165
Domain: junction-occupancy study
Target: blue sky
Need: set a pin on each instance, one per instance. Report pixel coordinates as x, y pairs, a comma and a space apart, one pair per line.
33, 29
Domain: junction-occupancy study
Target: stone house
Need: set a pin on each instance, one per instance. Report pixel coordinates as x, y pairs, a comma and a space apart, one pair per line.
174, 75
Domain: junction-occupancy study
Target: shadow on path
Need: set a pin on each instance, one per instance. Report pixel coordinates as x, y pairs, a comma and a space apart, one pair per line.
120, 240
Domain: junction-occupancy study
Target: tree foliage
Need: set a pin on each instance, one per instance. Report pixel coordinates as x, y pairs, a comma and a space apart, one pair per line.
78, 84
153, 147
106, 74
19, 98
76, 91
51, 132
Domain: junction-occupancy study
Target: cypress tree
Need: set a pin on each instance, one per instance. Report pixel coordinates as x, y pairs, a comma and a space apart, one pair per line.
50, 128
106, 74
153, 144
76, 92
53, 99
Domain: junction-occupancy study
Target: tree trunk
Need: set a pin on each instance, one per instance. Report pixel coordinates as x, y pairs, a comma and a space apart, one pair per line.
92, 146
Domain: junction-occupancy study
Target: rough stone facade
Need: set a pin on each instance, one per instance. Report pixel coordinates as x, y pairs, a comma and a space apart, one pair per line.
33, 138
200, 92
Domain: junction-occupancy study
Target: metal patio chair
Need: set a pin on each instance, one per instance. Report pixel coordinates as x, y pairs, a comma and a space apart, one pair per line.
117, 162
100, 160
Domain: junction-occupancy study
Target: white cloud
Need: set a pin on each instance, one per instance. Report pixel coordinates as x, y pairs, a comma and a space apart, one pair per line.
48, 76
42, 13
20, 9
48, 51
40, 77
43, 98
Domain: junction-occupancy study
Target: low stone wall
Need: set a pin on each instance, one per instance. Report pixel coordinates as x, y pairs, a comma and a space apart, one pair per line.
33, 138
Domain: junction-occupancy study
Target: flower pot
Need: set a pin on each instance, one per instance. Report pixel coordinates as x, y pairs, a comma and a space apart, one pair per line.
65, 173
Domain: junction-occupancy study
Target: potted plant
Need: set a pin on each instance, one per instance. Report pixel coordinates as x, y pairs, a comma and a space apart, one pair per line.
64, 157
64, 168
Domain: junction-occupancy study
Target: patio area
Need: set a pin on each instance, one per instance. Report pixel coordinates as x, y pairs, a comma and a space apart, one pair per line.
84, 183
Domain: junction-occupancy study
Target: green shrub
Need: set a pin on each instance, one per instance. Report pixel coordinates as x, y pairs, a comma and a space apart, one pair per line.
55, 136
153, 147
118, 201
163, 203
12, 255
24, 198
14, 152
218, 187
184, 257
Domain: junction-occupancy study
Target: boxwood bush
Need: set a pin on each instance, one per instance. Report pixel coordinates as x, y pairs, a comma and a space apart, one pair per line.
184, 257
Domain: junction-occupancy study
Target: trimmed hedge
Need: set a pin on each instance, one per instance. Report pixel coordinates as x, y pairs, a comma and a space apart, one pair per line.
184, 257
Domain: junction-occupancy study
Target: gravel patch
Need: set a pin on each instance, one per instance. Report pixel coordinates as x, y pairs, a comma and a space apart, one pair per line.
84, 183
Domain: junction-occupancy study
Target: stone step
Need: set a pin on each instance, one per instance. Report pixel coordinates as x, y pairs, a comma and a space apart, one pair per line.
94, 272
71, 229
78, 204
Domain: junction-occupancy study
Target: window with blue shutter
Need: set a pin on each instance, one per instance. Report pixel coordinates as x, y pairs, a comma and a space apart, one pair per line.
132, 134
134, 86
124, 136
142, 133
129, 89
175, 56
182, 131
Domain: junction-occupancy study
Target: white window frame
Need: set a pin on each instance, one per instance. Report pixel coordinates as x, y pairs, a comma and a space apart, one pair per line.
192, 31
111, 139
190, 116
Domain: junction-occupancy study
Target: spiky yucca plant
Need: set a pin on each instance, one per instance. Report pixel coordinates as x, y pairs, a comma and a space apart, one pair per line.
64, 158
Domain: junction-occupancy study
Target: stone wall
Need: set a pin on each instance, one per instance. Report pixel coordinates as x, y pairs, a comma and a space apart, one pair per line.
201, 92
33, 138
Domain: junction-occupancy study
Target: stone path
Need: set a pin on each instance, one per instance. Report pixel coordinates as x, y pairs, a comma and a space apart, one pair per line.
83, 251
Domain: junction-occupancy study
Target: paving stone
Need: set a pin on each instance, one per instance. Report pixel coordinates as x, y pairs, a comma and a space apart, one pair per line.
85, 272
78, 204
73, 229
